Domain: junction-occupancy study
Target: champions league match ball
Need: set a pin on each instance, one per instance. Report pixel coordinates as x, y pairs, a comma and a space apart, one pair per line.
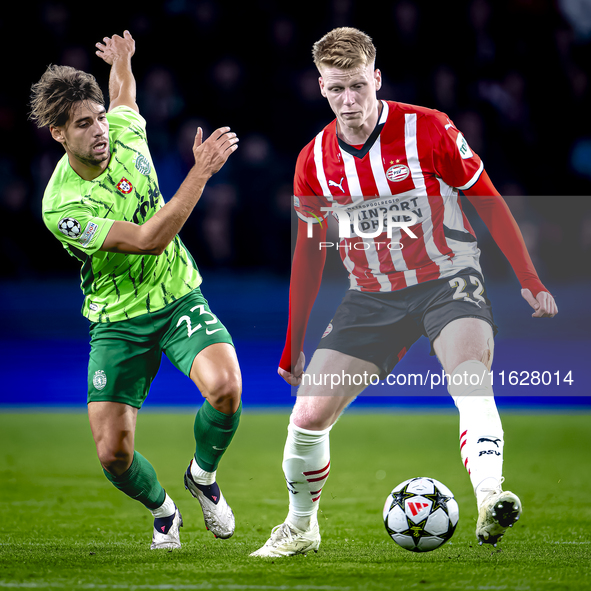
421, 514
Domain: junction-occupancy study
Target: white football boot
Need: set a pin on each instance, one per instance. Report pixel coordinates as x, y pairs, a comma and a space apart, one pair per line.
287, 540
498, 512
217, 514
166, 531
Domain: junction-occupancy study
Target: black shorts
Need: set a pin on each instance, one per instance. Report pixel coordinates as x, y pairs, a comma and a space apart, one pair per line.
380, 327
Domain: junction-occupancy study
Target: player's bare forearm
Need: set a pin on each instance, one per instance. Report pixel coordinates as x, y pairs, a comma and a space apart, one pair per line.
159, 231
117, 52
122, 86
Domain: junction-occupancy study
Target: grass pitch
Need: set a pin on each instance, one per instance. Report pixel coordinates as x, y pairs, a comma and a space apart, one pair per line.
65, 527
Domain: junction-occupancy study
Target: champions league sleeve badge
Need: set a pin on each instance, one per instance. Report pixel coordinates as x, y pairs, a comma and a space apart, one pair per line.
69, 227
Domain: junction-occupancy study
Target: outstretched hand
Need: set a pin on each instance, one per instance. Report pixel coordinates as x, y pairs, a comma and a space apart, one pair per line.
543, 304
116, 47
211, 154
294, 378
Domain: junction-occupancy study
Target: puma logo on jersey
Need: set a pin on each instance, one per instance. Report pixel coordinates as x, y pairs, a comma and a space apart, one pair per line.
339, 185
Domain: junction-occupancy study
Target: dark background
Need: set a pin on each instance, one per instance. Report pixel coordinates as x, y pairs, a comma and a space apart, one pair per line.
513, 75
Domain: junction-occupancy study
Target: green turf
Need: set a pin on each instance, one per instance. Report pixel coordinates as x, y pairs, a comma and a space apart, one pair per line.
63, 526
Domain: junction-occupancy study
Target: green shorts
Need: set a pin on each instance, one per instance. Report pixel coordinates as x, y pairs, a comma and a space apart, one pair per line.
125, 355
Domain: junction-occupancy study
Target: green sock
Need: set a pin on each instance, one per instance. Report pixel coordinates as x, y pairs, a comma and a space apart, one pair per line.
213, 433
140, 482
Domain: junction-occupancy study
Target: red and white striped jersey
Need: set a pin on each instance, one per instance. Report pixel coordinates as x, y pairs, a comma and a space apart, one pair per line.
414, 161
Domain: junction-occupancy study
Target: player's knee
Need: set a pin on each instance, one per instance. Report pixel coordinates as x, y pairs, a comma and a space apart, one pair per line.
314, 424
224, 393
474, 354
312, 421
115, 460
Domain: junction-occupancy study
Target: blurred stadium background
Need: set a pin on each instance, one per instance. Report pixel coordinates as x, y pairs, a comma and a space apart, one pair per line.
512, 74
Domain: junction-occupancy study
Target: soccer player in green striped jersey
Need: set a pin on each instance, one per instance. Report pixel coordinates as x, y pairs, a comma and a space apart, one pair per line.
141, 285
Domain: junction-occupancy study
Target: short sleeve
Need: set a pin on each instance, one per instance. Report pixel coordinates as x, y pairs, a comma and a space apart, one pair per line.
455, 162
78, 226
124, 121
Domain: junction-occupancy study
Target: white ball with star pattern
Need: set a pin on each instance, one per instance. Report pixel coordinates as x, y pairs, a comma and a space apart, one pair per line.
421, 514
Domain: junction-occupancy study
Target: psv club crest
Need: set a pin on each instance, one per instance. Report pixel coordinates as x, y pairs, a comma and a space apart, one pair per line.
397, 173
124, 186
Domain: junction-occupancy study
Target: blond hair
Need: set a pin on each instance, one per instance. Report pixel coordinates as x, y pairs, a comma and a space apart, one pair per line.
60, 87
344, 47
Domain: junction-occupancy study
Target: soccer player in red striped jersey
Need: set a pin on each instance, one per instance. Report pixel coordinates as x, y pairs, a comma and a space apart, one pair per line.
391, 174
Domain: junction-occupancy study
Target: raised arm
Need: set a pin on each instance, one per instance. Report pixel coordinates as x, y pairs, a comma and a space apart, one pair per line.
117, 52
157, 233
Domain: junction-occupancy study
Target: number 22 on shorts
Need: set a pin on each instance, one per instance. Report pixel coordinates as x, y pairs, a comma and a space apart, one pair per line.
202, 311
459, 283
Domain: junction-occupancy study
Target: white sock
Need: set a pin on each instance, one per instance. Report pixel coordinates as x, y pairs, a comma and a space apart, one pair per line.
481, 431
201, 476
483, 489
165, 510
306, 465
